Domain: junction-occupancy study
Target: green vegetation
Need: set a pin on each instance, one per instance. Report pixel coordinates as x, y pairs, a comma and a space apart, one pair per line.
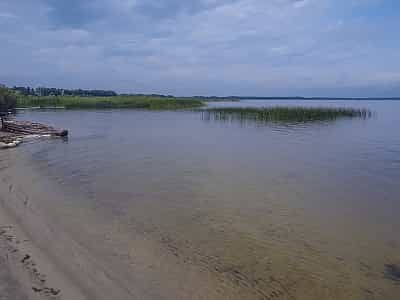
140, 102
44, 91
7, 100
283, 114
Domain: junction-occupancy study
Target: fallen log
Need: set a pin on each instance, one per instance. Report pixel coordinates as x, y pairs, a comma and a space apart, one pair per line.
24, 127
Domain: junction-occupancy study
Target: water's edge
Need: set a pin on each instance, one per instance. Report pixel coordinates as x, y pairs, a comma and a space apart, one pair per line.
70, 261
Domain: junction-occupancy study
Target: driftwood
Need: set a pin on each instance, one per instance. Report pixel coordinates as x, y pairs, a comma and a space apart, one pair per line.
25, 127
9, 144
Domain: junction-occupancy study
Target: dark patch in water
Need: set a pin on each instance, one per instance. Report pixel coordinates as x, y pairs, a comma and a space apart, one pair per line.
392, 272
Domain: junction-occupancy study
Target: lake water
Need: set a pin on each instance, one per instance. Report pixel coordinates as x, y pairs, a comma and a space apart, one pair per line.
263, 211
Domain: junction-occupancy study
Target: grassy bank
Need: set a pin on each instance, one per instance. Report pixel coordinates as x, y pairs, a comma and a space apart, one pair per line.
140, 102
283, 114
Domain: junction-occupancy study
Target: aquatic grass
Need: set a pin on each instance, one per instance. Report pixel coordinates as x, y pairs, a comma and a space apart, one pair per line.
138, 102
283, 114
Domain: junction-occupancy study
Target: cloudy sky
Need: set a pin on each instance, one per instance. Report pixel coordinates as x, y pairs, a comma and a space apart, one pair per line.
204, 47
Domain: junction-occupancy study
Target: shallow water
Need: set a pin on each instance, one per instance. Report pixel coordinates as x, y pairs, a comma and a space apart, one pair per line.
295, 211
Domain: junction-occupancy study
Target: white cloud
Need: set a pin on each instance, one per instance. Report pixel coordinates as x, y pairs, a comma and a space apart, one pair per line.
215, 47
7, 15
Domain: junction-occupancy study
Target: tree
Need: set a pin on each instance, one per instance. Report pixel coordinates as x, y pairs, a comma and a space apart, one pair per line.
7, 100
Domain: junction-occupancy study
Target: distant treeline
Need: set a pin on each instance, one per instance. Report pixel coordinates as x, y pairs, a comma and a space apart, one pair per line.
44, 91
7, 100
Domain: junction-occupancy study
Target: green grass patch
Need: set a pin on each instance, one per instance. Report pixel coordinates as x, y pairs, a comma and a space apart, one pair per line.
283, 114
138, 102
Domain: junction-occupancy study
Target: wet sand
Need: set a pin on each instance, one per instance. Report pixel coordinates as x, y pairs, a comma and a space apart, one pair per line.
28, 272
10, 289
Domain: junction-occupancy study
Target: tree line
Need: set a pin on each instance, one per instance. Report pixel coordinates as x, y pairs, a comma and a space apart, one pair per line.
45, 91
7, 100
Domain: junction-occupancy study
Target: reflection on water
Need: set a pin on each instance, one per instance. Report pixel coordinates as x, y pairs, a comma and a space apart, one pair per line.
284, 211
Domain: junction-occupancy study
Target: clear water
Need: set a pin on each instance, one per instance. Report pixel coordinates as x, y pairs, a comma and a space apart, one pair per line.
300, 211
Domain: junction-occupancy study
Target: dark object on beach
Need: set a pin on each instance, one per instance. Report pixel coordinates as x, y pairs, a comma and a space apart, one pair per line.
37, 290
392, 272
26, 257
52, 291
25, 127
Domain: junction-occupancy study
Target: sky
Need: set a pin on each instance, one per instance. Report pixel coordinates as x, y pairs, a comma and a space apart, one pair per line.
204, 47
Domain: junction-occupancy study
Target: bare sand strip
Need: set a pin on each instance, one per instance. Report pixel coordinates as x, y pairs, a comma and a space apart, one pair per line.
10, 288
30, 273
41, 261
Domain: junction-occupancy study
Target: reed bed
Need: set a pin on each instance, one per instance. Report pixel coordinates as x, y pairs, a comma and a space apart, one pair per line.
283, 114
138, 102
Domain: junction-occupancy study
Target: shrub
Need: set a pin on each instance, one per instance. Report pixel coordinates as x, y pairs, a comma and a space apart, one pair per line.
7, 100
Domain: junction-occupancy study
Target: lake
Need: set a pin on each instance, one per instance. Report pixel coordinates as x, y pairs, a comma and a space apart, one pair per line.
180, 207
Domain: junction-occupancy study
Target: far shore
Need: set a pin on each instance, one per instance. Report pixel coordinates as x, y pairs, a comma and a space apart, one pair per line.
80, 102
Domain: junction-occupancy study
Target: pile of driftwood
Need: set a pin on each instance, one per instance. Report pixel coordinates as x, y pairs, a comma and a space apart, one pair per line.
9, 141
25, 127
13, 132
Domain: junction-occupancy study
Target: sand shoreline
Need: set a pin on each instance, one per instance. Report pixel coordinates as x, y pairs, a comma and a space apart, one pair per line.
22, 274
44, 261
57, 245
35, 252
53, 258
31, 272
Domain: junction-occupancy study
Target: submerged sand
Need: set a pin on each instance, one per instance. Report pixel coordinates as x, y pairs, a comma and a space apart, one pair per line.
51, 250
45, 258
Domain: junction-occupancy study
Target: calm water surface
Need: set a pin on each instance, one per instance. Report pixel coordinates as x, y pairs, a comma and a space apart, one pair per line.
296, 211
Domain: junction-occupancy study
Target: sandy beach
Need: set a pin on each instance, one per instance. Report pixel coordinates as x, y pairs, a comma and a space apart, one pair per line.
27, 272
